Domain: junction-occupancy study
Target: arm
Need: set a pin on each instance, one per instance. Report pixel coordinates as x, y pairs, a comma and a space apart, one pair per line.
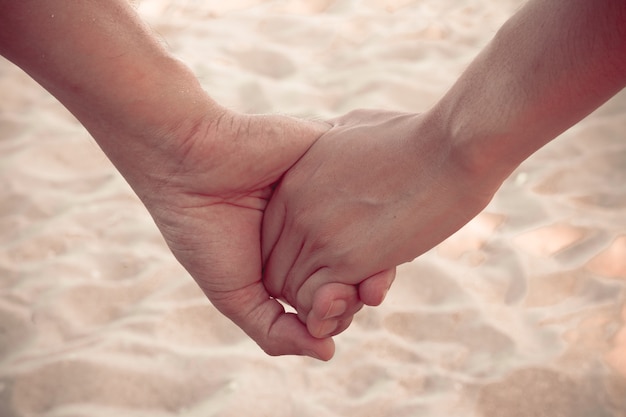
204, 173
102, 63
382, 188
549, 66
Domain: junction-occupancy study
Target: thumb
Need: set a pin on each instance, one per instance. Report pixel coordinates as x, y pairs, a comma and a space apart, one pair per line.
264, 319
334, 304
372, 290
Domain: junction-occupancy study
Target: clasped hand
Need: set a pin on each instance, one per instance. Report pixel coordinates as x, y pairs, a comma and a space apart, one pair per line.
266, 208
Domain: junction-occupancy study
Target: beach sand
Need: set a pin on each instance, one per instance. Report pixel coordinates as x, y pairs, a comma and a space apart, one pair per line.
521, 313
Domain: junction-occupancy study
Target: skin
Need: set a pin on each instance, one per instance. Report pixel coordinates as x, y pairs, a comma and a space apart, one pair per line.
204, 173
381, 188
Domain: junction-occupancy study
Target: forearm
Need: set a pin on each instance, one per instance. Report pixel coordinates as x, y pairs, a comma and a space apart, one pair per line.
548, 67
106, 67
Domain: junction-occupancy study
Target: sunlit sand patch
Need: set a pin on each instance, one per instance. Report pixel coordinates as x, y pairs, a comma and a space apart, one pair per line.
611, 262
550, 290
550, 240
589, 336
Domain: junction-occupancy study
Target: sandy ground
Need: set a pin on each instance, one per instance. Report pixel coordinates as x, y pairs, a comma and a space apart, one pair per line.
521, 313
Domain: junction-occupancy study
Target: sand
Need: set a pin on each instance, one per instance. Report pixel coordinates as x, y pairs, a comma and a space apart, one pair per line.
521, 313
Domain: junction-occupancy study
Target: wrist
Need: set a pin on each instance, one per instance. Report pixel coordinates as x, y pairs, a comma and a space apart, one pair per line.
477, 165
147, 134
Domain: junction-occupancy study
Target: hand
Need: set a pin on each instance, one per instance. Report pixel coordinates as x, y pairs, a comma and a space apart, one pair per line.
204, 173
377, 190
208, 201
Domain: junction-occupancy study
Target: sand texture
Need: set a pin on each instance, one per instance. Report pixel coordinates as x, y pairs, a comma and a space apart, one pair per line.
522, 313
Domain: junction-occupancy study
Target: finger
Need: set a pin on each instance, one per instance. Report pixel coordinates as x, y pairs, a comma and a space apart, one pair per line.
283, 274
266, 322
281, 249
331, 327
372, 290
272, 228
334, 305
232, 281
342, 325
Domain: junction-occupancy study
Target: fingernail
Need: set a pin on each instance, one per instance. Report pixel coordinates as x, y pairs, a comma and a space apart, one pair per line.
327, 327
336, 309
